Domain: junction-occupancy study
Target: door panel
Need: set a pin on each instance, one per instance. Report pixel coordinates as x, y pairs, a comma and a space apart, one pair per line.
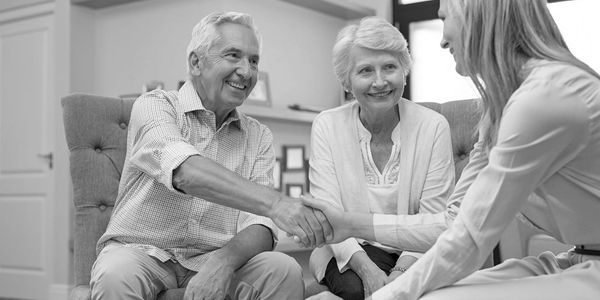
26, 131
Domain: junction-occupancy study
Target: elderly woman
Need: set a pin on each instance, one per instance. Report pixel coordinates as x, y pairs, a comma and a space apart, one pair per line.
380, 154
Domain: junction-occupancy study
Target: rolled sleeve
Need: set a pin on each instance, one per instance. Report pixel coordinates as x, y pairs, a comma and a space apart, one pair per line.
343, 252
158, 147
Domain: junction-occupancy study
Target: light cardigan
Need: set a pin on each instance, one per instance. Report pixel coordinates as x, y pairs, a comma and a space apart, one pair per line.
426, 177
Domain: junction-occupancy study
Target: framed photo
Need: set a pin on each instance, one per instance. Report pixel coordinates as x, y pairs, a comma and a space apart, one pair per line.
294, 190
293, 157
261, 94
346, 96
277, 174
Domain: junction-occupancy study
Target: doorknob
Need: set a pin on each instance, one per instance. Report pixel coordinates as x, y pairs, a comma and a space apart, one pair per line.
48, 157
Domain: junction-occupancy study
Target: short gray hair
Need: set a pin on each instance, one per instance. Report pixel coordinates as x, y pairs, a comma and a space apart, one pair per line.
204, 34
371, 33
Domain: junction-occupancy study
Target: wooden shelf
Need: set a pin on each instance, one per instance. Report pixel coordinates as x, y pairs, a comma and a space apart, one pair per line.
278, 114
344, 9
97, 4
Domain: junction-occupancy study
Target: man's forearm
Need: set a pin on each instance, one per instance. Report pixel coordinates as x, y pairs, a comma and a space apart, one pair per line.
203, 178
249, 242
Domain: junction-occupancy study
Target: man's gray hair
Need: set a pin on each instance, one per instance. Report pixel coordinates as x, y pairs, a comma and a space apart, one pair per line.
205, 34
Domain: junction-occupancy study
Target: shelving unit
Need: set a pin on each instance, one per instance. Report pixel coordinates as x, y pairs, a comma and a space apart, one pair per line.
344, 9
278, 114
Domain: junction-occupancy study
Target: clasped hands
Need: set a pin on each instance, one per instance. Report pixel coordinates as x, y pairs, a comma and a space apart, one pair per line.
312, 223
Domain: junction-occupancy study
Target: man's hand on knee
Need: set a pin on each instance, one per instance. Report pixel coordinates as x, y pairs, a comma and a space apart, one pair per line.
211, 282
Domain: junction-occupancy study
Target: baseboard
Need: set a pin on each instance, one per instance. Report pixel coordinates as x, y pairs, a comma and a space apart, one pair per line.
59, 292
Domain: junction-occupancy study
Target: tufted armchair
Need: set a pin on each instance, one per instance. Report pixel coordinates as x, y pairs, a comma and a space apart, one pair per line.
96, 131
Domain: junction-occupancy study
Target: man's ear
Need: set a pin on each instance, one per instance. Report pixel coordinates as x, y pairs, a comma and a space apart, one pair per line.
194, 63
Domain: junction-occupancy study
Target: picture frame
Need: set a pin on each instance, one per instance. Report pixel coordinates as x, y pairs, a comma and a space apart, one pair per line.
293, 157
261, 94
277, 174
294, 190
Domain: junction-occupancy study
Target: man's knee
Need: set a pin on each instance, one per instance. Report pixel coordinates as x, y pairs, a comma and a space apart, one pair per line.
282, 266
117, 270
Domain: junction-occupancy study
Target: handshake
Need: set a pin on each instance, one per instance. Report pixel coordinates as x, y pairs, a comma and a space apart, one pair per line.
312, 222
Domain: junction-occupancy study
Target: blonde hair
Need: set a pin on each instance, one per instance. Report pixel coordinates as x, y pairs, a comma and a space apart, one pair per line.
205, 34
371, 33
498, 38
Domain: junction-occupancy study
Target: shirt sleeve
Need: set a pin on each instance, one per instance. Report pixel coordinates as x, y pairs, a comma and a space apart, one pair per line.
419, 232
541, 131
324, 186
158, 146
261, 173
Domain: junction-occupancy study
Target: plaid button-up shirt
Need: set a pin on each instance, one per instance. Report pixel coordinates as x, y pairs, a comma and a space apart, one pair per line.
165, 129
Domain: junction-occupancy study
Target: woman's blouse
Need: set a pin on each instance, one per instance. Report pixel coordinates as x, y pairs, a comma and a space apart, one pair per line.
548, 144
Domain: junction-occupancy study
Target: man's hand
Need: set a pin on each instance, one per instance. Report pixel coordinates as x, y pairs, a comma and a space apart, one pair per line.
212, 281
310, 226
335, 216
373, 278
327, 295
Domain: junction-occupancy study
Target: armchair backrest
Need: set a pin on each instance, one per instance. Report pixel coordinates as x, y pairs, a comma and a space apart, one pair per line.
96, 133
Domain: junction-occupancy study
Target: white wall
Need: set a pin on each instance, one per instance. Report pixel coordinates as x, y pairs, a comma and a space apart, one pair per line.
143, 41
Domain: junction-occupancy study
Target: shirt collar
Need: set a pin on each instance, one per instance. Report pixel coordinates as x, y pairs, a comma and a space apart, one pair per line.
190, 101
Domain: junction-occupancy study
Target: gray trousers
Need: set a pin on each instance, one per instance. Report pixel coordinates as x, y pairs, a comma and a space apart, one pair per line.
128, 273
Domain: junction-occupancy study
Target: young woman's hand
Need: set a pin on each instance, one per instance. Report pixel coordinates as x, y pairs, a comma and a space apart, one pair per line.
335, 215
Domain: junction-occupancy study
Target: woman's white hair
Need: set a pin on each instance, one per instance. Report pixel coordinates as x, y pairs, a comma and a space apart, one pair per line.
372, 33
205, 34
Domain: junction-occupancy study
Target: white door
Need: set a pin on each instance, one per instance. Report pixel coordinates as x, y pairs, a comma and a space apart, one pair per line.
26, 144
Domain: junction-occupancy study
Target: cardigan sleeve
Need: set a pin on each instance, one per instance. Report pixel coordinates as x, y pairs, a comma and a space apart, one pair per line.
324, 186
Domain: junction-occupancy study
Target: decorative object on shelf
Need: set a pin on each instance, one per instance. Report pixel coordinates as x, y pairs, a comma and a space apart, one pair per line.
293, 157
294, 190
153, 85
302, 107
345, 97
260, 95
277, 174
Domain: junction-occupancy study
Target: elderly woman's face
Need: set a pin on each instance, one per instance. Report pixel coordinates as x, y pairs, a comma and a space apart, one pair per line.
376, 78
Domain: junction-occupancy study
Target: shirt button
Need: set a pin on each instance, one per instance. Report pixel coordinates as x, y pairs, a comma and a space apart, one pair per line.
193, 221
123, 125
102, 207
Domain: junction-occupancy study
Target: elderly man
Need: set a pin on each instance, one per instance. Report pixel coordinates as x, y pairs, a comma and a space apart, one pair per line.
194, 204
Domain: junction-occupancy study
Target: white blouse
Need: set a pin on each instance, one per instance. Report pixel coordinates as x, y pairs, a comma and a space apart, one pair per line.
548, 144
